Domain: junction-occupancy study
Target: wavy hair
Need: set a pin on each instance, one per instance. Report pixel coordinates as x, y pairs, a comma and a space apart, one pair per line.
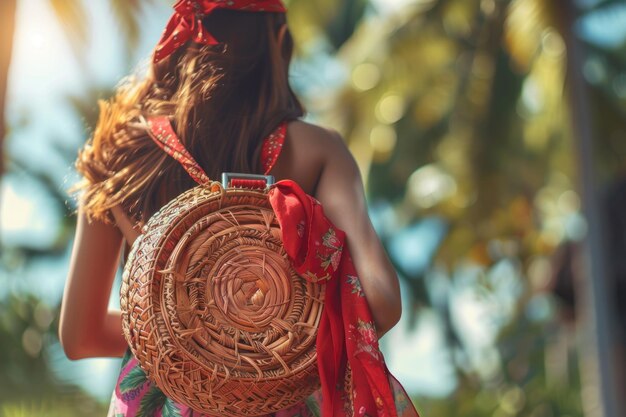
222, 100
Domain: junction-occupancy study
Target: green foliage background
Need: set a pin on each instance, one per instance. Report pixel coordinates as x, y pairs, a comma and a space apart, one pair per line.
456, 110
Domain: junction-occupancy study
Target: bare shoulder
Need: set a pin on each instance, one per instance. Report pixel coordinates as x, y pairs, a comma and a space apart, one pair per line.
314, 136
315, 141
307, 151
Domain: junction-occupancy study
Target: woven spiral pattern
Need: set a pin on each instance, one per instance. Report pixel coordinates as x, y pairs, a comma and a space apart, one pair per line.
213, 310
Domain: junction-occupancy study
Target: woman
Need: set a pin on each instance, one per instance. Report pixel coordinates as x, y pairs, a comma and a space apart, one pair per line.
220, 73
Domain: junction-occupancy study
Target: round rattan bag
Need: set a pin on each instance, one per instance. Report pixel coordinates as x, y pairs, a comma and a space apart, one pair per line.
213, 310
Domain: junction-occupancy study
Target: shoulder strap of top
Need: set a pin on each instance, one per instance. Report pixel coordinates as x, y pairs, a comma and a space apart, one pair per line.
162, 133
272, 145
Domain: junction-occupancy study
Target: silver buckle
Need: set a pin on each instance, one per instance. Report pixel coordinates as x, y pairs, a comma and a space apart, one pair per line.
228, 176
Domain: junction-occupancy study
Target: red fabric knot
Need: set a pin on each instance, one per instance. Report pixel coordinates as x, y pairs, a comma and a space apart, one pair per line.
186, 22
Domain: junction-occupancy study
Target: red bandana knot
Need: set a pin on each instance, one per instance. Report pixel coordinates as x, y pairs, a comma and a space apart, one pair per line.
186, 22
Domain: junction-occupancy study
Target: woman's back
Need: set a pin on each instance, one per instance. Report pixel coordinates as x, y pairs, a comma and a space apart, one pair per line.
304, 155
320, 163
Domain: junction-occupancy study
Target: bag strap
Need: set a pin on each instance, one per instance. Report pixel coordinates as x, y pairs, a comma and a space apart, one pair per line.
162, 133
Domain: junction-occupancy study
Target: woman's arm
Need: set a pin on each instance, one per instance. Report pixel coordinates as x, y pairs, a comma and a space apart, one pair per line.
87, 327
340, 190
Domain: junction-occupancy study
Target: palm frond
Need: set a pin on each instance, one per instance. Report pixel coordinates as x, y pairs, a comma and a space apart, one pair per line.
126, 14
72, 16
343, 25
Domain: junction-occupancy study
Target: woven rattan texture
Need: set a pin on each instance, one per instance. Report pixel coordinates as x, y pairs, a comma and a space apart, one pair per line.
213, 310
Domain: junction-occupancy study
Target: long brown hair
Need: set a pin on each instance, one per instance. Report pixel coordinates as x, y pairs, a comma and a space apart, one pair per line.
222, 99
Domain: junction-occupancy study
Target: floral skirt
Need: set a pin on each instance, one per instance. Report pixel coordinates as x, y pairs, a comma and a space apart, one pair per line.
136, 396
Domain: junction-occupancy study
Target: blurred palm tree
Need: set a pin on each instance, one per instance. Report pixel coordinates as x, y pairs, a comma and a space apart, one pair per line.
73, 18
456, 109
29, 387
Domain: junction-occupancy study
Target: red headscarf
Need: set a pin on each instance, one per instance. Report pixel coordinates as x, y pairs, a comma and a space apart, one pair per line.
186, 22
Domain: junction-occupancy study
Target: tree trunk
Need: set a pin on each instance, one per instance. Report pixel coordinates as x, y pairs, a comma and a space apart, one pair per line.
598, 347
7, 31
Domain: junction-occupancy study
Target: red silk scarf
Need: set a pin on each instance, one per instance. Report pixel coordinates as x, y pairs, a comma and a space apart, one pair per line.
354, 378
186, 22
